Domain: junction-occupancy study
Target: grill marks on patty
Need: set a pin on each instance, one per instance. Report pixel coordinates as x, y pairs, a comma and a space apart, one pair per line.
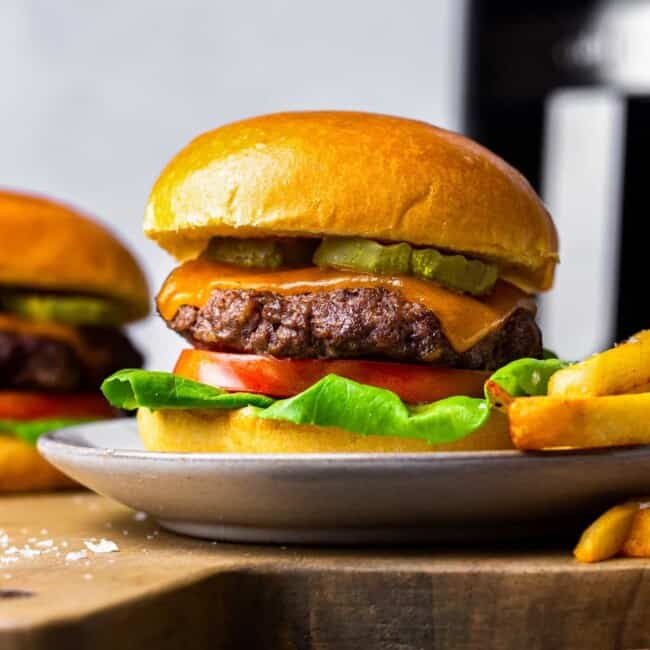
347, 323
29, 362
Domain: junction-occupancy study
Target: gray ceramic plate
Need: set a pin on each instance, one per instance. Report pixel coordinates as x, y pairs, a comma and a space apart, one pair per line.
350, 498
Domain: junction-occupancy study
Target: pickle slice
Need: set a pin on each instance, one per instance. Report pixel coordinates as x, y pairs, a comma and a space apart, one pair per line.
363, 255
454, 271
72, 310
261, 253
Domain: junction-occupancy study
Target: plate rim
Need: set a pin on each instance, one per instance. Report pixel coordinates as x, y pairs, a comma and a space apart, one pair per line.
60, 440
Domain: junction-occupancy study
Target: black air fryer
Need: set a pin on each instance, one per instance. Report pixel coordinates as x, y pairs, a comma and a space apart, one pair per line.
561, 89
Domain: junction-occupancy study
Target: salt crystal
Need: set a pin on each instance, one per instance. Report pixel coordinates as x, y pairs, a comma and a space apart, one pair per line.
31, 540
88, 576
75, 555
64, 544
29, 552
103, 546
46, 543
43, 531
8, 560
125, 532
140, 516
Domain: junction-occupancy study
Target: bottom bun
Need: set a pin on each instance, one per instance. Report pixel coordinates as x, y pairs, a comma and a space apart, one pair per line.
239, 432
23, 469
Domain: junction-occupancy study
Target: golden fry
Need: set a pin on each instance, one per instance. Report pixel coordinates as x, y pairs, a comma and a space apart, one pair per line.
499, 397
641, 388
637, 543
607, 536
623, 369
555, 422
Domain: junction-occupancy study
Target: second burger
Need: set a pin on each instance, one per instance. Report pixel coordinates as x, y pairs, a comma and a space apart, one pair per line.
67, 288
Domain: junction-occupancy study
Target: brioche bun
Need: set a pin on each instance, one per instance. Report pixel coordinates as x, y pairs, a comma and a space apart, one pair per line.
50, 246
239, 432
22, 469
353, 174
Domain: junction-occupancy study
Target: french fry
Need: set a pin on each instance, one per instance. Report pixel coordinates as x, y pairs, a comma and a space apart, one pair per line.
637, 543
623, 369
555, 422
642, 388
607, 536
499, 397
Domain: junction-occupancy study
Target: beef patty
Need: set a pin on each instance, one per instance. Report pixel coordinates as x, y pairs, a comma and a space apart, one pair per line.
347, 323
29, 362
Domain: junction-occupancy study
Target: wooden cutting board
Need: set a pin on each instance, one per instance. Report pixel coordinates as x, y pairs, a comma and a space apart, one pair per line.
160, 591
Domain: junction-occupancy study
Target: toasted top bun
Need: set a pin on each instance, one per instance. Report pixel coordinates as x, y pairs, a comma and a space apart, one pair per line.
239, 432
353, 174
50, 246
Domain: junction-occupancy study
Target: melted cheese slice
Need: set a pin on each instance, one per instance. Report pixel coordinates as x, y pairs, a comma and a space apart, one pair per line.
47, 330
465, 320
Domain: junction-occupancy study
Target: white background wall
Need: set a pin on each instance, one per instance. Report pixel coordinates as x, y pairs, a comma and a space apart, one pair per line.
96, 97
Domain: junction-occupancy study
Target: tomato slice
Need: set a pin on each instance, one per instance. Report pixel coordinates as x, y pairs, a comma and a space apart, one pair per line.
286, 377
18, 405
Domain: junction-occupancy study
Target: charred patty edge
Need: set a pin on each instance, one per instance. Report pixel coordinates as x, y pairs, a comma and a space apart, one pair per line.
41, 363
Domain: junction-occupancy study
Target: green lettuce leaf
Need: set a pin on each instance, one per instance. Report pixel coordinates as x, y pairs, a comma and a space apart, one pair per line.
132, 388
333, 401
526, 377
31, 430
338, 402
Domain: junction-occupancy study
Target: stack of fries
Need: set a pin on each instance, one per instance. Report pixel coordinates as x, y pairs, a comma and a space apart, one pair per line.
603, 401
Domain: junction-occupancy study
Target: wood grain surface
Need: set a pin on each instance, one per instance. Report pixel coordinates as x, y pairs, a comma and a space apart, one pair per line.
162, 591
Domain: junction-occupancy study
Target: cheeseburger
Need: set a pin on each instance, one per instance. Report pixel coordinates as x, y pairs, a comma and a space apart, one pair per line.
348, 282
66, 288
